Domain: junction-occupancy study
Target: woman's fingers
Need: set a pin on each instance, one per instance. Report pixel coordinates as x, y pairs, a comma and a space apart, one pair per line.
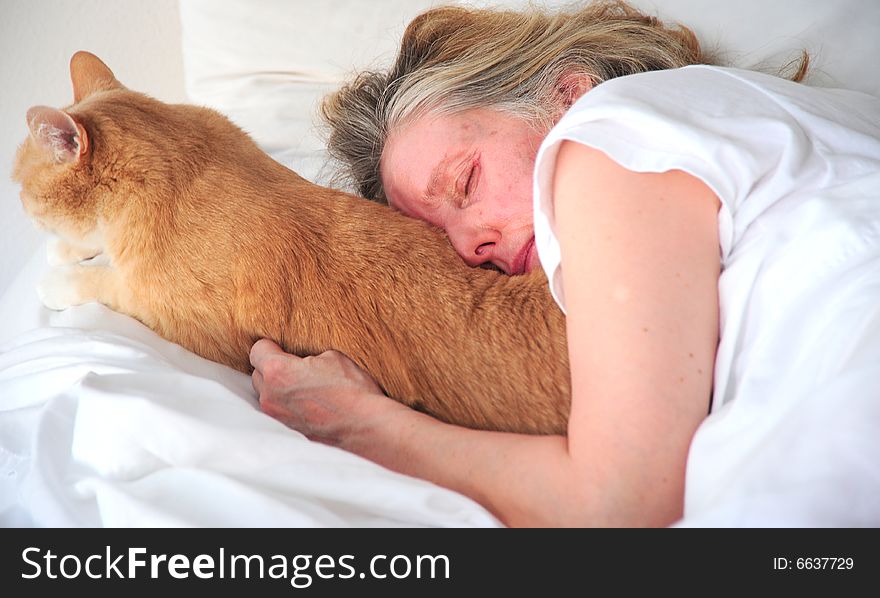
257, 381
274, 370
322, 396
263, 350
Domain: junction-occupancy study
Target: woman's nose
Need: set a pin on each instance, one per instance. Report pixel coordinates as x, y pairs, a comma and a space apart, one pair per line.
475, 245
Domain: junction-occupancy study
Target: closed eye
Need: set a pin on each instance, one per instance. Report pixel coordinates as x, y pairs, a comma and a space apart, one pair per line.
471, 182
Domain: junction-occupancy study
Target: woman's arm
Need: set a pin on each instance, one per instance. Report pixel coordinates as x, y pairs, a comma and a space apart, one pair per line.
329, 399
523, 480
640, 264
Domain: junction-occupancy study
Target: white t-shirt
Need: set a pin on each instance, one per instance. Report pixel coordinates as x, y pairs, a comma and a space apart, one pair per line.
796, 401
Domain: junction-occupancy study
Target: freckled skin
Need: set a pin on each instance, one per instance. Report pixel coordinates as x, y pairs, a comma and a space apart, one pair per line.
494, 222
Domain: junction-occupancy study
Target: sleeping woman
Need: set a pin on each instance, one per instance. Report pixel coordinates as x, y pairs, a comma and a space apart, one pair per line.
712, 235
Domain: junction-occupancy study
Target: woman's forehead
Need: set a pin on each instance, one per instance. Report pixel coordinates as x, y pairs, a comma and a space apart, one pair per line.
413, 152
431, 128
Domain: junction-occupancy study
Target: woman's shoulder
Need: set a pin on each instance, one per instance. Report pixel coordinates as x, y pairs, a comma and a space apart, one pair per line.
667, 95
712, 90
676, 88
728, 127
694, 76
701, 98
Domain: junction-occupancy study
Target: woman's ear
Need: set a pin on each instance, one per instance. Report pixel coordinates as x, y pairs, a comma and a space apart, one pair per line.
571, 86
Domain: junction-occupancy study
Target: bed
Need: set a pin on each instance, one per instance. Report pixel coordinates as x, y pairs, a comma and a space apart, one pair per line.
103, 423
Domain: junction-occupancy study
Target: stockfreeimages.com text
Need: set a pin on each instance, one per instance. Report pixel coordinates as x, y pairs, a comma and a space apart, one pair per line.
301, 569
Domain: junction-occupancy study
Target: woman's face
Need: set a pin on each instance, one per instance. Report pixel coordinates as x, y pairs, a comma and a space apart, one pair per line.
471, 175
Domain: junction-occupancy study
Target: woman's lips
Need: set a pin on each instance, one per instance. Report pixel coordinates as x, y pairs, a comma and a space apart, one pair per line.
533, 261
524, 259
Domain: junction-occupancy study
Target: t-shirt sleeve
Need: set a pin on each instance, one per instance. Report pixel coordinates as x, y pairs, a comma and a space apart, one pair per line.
709, 123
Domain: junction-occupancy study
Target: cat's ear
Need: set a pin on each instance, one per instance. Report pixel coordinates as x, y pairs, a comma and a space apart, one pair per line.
58, 133
88, 75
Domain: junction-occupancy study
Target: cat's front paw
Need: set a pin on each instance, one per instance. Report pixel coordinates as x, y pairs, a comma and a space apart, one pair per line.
60, 288
59, 252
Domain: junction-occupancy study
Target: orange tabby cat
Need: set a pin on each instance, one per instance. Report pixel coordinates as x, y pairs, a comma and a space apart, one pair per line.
207, 240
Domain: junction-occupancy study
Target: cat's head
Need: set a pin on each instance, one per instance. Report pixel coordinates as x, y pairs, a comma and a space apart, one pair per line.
112, 147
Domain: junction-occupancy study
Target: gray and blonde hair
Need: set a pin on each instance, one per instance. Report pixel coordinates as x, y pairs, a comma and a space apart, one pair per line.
453, 59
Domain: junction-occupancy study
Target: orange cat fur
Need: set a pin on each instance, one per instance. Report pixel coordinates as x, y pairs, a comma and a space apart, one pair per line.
207, 240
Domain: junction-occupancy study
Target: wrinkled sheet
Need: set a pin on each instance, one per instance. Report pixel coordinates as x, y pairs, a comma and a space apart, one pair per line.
103, 423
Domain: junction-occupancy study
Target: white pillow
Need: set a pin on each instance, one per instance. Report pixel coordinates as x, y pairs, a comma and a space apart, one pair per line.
267, 64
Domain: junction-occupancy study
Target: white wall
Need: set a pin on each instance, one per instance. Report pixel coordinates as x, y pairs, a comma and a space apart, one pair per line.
138, 39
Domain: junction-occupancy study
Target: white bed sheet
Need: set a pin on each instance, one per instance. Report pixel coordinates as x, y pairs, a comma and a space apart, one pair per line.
103, 423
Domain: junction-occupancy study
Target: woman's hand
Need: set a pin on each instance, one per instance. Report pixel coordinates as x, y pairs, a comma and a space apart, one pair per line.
331, 400
327, 397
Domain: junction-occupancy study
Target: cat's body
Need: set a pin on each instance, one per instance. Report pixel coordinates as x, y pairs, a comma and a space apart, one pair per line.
210, 242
